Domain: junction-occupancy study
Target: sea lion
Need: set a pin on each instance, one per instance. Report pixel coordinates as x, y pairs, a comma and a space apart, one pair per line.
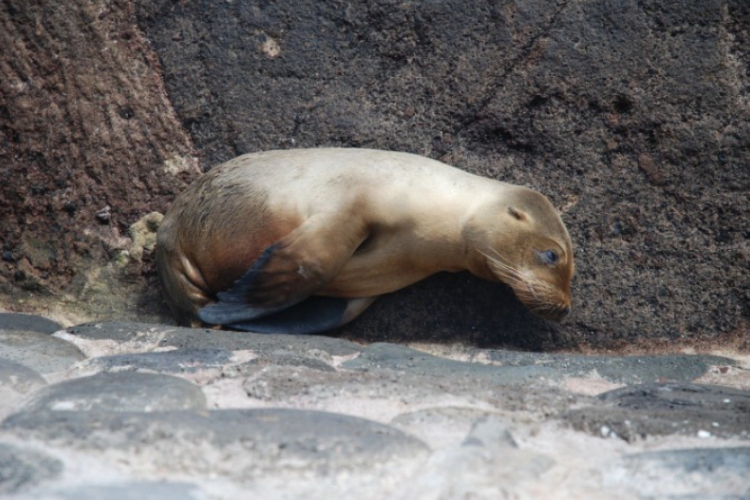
302, 241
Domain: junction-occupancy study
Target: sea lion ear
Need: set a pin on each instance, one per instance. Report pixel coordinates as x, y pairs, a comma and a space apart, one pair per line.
518, 214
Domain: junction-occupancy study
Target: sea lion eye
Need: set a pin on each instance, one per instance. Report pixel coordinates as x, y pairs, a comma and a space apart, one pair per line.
549, 257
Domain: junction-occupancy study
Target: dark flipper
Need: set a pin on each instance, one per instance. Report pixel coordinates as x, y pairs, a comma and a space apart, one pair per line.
286, 274
312, 315
224, 313
232, 305
245, 283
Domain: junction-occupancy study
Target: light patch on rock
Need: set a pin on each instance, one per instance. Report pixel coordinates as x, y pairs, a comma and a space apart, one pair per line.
225, 393
93, 348
337, 361
269, 47
592, 385
728, 376
177, 164
455, 352
143, 235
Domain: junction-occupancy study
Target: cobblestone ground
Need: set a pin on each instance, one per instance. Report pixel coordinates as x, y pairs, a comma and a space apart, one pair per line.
118, 410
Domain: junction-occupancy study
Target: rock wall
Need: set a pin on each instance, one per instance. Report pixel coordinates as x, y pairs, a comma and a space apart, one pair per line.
632, 117
89, 144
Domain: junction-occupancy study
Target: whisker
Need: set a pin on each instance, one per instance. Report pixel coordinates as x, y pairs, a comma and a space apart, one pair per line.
502, 267
539, 296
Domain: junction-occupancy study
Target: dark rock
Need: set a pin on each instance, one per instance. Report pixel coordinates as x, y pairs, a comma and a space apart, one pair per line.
244, 444
22, 469
201, 338
28, 322
633, 118
662, 409
39, 351
381, 356
75, 146
116, 392
678, 397
514, 367
617, 369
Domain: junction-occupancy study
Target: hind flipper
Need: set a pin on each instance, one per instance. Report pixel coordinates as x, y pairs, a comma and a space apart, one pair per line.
312, 315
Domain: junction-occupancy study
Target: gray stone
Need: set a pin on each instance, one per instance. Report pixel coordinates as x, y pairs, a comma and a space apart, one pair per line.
201, 338
191, 360
283, 358
274, 383
28, 322
516, 367
394, 387
617, 369
243, 444
382, 356
441, 426
487, 464
697, 473
123, 491
19, 378
490, 431
660, 409
116, 392
22, 469
38, 351
177, 361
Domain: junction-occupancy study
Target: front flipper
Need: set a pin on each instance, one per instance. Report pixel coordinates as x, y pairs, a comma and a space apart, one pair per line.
312, 315
289, 271
233, 304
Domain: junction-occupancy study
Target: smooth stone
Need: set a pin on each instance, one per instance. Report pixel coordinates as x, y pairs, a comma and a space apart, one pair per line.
22, 469
116, 392
693, 473
709, 461
661, 409
440, 426
486, 464
124, 491
201, 338
38, 351
28, 322
384, 356
490, 432
243, 444
192, 360
617, 369
18, 377
177, 361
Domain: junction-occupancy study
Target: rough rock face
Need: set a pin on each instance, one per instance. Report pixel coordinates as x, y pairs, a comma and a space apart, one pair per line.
88, 145
632, 118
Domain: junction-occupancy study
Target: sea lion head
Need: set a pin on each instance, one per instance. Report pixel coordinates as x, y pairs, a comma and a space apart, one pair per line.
520, 240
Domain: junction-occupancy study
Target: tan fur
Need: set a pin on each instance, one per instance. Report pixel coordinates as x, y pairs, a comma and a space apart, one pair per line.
356, 223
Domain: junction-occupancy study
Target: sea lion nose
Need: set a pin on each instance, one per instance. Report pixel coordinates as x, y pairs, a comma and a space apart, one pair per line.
564, 312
